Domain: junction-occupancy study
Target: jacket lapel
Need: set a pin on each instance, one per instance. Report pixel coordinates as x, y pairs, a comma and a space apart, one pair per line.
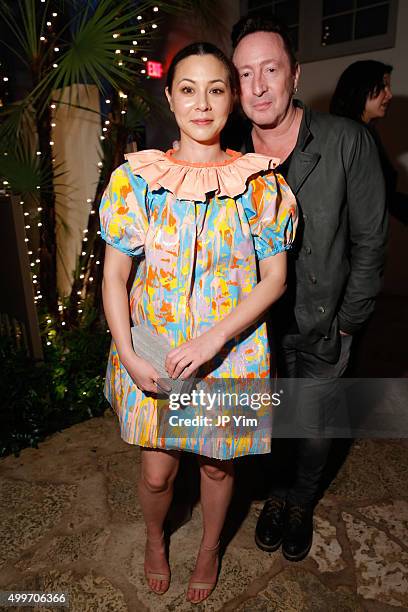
301, 166
302, 162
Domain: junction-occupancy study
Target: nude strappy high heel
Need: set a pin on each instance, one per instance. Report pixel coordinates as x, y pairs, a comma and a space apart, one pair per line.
205, 586
150, 575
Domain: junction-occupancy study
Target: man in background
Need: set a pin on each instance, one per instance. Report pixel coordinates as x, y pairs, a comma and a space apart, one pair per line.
334, 271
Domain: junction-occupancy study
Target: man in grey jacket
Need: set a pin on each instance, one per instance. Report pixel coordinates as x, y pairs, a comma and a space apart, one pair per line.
335, 269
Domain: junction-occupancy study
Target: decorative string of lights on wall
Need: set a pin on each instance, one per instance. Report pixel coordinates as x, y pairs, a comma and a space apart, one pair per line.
31, 217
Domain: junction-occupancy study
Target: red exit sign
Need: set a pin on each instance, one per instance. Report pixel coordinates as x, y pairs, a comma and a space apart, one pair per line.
154, 70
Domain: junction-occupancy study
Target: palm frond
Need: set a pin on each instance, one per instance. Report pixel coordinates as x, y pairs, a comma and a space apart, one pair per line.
26, 172
14, 119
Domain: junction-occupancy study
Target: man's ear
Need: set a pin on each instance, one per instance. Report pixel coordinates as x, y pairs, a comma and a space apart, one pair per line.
168, 96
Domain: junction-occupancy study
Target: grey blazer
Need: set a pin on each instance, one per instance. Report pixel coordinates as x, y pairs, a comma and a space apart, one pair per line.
336, 266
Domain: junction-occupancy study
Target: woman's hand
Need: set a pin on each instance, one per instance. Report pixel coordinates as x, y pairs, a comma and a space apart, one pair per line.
188, 357
143, 374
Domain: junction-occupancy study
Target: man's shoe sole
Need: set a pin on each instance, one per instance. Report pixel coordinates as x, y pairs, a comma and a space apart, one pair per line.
299, 557
265, 547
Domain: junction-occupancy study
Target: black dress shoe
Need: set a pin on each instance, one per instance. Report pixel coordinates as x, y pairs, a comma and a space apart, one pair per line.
298, 532
269, 528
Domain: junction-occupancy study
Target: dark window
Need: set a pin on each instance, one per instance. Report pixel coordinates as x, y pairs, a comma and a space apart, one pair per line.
353, 19
322, 29
287, 10
331, 7
371, 22
337, 29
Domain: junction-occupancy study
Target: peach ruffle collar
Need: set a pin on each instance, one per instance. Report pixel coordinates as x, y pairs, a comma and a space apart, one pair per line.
193, 181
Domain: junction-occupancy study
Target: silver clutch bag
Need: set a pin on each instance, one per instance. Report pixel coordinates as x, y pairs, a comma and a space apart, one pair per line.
154, 348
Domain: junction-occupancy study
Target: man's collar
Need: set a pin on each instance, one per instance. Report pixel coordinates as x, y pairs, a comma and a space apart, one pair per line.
305, 134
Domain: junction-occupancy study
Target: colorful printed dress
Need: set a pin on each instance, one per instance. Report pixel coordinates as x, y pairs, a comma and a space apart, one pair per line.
199, 229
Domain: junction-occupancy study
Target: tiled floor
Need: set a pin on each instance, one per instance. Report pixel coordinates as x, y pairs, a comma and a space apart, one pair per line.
70, 521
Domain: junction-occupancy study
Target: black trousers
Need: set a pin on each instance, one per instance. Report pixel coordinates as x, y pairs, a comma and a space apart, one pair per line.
314, 413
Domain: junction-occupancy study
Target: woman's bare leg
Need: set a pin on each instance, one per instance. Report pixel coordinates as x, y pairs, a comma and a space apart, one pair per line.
217, 481
159, 469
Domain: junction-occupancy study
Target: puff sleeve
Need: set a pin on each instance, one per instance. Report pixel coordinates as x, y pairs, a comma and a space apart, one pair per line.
272, 214
123, 211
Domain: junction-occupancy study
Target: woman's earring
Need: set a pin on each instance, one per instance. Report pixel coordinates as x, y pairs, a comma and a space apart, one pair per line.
295, 89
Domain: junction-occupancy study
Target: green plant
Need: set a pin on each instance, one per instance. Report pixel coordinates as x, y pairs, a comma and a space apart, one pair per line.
64, 389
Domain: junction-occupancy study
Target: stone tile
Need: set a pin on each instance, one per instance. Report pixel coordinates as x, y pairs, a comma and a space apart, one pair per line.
90, 508
326, 549
67, 456
66, 550
122, 476
392, 516
87, 593
42, 507
381, 565
239, 568
373, 470
123, 501
296, 590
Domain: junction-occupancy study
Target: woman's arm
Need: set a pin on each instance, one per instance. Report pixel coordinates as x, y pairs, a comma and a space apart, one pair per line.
191, 355
116, 305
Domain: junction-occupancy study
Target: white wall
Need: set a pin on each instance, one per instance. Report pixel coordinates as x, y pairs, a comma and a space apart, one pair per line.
318, 81
76, 138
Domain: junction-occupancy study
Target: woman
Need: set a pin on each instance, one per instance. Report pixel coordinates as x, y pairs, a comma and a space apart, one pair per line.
201, 216
363, 93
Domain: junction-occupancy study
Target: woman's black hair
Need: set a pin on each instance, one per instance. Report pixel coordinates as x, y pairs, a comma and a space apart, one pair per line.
202, 48
264, 22
359, 81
